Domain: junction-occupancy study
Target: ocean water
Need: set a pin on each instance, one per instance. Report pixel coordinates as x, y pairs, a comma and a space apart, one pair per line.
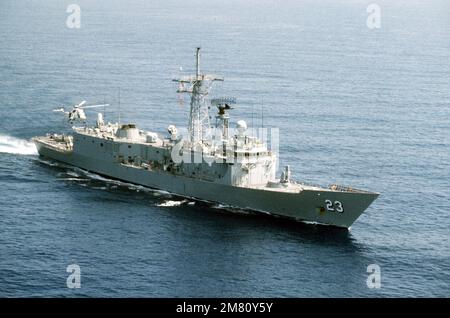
356, 106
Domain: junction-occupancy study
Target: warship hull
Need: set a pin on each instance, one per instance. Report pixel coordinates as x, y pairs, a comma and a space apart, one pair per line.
307, 205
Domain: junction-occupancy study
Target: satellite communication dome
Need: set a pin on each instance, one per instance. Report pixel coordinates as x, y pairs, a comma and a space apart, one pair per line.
241, 126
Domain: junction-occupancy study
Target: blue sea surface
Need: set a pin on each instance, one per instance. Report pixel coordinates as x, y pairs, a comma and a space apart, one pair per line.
356, 106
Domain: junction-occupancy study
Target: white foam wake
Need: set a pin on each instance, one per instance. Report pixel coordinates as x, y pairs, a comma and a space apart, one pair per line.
172, 203
18, 146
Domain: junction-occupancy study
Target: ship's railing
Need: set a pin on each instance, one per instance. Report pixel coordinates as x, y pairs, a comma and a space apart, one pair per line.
333, 187
307, 184
342, 188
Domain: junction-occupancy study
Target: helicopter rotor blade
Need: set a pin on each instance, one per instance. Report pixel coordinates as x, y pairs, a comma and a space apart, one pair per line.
94, 106
80, 104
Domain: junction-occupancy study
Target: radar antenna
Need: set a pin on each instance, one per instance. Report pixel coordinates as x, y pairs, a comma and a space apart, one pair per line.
222, 117
199, 126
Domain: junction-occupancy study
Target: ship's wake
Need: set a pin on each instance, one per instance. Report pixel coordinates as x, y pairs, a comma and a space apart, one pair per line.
170, 203
17, 146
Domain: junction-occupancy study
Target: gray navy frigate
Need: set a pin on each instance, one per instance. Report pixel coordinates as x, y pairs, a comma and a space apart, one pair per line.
213, 163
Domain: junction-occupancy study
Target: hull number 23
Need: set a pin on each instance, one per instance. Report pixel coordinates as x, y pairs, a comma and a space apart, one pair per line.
335, 206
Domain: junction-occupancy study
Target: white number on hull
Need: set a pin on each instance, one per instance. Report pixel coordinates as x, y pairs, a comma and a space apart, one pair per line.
336, 206
329, 205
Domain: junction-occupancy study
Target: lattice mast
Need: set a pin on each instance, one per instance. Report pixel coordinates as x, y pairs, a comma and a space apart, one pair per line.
199, 126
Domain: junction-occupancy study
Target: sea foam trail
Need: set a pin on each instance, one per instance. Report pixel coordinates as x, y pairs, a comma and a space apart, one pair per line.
18, 146
172, 203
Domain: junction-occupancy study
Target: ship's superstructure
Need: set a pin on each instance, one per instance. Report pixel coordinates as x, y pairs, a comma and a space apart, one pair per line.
213, 163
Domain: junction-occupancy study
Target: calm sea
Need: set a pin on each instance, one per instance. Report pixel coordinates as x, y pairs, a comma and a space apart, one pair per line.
355, 105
